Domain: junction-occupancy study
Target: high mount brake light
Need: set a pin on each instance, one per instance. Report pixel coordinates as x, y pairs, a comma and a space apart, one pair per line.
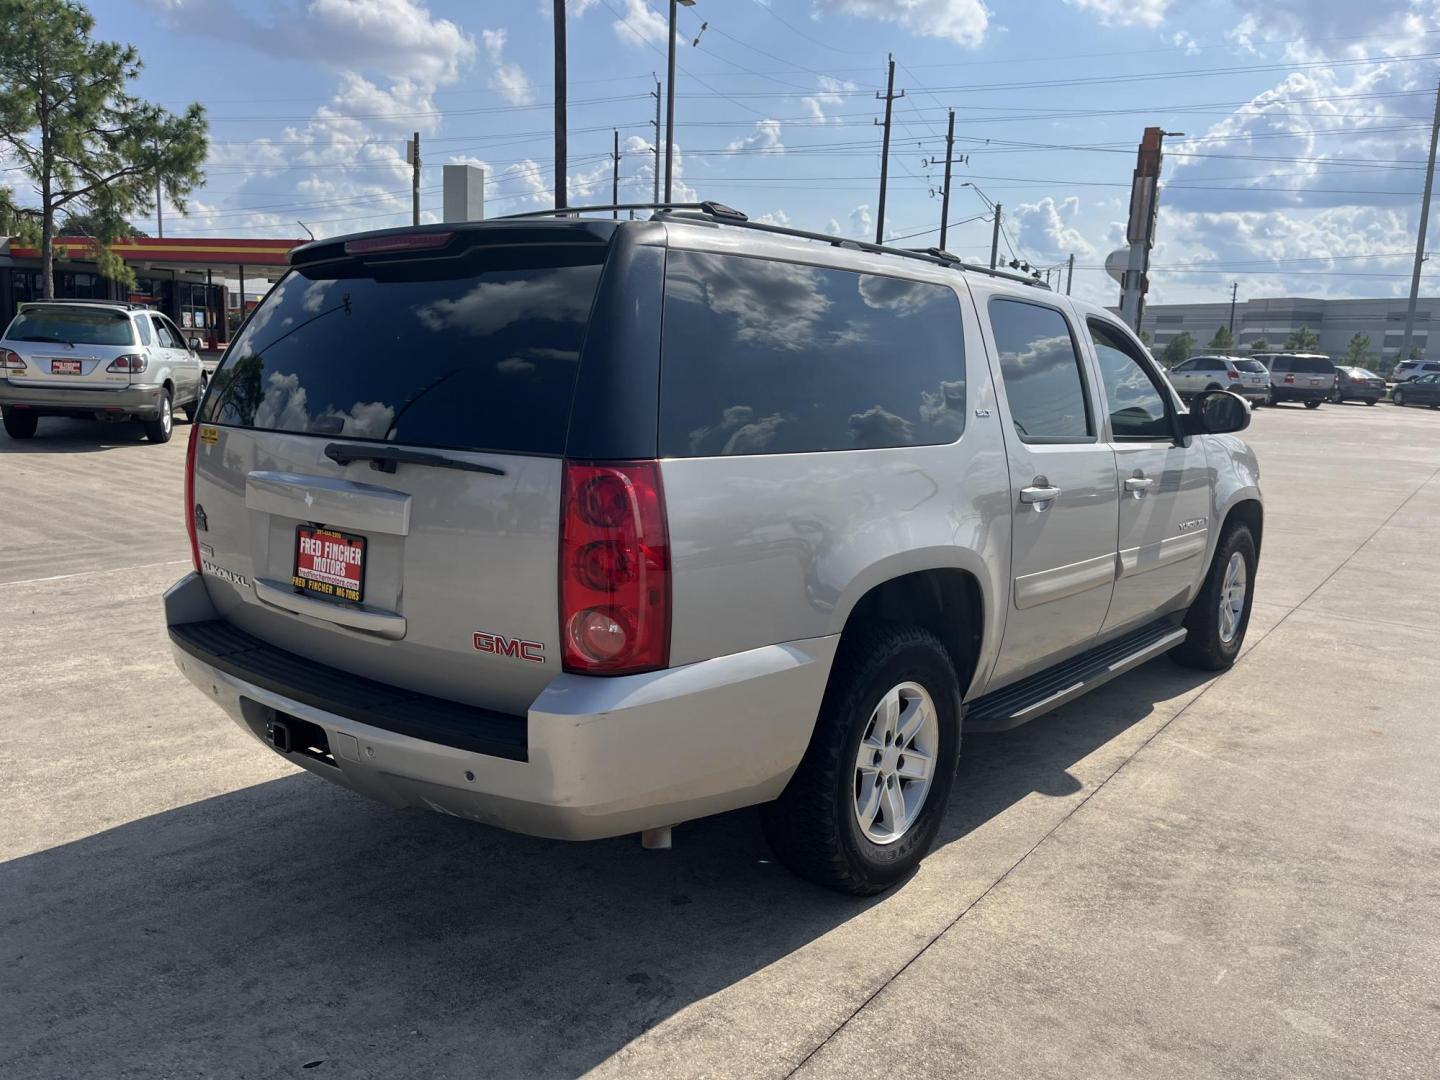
614, 569
190, 497
383, 245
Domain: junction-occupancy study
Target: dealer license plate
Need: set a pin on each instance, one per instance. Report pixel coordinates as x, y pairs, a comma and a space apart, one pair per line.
329, 563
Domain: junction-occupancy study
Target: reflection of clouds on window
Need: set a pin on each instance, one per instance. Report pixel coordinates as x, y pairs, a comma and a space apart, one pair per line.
945, 408
285, 407
745, 434
314, 296
773, 304
1041, 355
896, 294
493, 305
877, 427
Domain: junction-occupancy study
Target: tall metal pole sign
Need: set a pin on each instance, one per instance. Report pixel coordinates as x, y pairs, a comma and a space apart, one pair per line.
1140, 230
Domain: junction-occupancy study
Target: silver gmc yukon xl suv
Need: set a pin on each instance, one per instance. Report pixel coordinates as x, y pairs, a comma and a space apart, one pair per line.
587, 527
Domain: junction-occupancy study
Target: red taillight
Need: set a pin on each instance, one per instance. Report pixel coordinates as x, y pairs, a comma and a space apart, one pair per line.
381, 245
10, 361
614, 569
1231, 373
190, 497
132, 364
1289, 378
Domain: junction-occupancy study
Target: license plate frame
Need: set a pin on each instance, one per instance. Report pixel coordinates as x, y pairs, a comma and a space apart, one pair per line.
64, 366
332, 583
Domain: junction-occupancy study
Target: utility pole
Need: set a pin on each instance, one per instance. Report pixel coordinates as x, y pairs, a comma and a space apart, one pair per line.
945, 195
561, 140
615, 177
670, 103
159, 200
889, 98
1070, 274
655, 149
1420, 237
415, 180
995, 238
1234, 291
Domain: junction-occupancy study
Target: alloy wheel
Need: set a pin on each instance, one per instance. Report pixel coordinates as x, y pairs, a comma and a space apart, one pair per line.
895, 764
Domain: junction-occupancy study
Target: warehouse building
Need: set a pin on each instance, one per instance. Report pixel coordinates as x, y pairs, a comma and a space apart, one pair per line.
1335, 321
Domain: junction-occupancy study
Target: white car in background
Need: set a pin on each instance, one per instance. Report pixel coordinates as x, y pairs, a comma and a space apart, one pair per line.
1238, 374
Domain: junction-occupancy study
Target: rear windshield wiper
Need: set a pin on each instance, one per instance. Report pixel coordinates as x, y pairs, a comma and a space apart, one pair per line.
385, 458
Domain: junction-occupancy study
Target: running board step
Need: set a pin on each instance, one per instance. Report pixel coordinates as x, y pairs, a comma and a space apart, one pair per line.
1036, 695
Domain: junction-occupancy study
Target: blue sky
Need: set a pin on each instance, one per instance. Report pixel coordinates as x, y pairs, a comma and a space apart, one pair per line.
1306, 121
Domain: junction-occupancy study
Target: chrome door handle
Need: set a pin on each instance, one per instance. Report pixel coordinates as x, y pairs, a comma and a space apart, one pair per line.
1139, 483
1039, 493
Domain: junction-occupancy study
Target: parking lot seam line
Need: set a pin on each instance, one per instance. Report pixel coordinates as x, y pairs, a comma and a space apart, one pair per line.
87, 573
1099, 787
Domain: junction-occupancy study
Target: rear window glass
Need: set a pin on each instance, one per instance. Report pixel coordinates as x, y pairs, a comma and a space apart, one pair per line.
765, 357
473, 354
1252, 366
1311, 365
72, 327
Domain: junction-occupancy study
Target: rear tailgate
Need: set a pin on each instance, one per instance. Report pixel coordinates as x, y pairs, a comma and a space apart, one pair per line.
380, 468
70, 346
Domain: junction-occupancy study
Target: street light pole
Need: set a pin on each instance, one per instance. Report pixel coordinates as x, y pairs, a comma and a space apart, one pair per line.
670, 104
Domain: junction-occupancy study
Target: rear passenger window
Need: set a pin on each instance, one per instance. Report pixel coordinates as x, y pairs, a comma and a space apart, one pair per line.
1137, 408
764, 357
143, 325
1041, 368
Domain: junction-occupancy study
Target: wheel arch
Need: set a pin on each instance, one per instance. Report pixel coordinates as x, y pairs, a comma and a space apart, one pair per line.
948, 601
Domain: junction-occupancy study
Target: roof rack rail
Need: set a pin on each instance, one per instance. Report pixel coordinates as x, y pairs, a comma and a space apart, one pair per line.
128, 305
726, 215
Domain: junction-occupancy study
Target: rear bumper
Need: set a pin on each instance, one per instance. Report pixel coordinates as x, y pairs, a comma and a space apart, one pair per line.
1298, 393
134, 400
601, 756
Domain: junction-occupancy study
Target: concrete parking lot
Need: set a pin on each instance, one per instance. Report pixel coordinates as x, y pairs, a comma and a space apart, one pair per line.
1173, 877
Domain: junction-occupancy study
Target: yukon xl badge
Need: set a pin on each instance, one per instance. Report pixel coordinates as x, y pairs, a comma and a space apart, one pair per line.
518, 648
215, 570
1193, 523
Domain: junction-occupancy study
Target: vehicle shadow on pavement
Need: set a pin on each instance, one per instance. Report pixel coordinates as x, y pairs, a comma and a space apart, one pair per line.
62, 435
292, 922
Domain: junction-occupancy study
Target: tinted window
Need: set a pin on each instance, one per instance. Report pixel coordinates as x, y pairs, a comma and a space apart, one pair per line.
763, 357
143, 325
1311, 365
1280, 363
1041, 369
1252, 366
479, 353
163, 333
72, 326
1137, 409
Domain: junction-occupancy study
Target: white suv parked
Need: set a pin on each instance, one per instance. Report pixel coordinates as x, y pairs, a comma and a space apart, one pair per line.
105, 359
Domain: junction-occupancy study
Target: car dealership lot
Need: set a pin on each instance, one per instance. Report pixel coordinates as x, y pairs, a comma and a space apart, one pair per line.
1173, 876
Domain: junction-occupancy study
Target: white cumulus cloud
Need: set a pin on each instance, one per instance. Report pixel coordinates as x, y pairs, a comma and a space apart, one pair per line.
962, 21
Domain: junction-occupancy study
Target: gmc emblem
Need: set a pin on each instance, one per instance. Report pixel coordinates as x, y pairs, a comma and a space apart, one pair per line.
500, 645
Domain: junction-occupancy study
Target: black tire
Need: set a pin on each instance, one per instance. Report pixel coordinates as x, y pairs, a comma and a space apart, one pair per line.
1372, 401
812, 827
20, 425
192, 411
1313, 403
160, 429
1398, 398
1203, 646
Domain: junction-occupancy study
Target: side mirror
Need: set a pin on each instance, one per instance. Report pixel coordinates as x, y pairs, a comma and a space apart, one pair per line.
194, 344
1216, 412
